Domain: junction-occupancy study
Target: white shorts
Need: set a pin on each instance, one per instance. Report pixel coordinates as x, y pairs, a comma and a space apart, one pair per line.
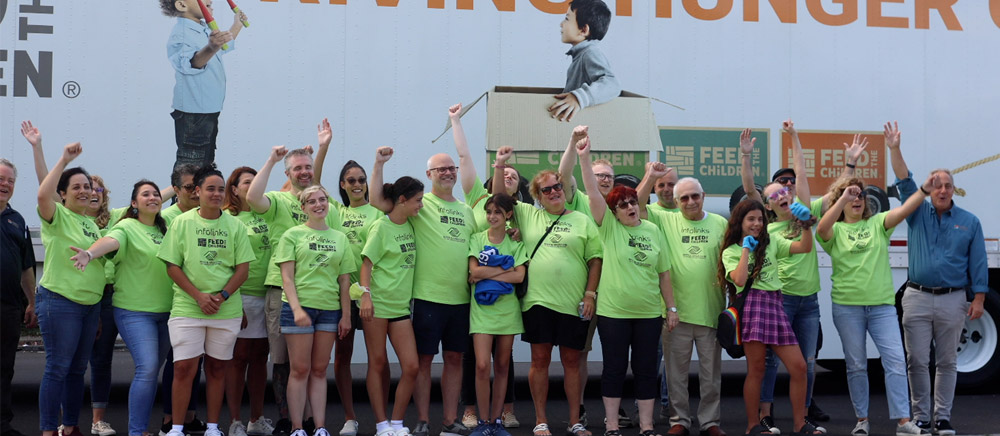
253, 307
192, 337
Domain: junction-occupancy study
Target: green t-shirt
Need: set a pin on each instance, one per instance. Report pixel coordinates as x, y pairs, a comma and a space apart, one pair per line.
141, 281
694, 248
476, 199
557, 275
109, 267
286, 212
503, 317
800, 273
355, 223
320, 257
860, 256
170, 213
116, 215
634, 257
443, 229
392, 249
207, 251
580, 203
658, 208
260, 241
768, 278
58, 274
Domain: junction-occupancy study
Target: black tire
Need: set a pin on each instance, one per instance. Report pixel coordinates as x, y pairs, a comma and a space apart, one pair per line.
739, 195
979, 347
878, 200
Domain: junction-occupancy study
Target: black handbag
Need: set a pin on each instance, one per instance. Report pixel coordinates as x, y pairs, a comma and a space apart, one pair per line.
520, 289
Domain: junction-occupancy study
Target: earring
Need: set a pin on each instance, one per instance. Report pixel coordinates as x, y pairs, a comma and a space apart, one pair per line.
135, 210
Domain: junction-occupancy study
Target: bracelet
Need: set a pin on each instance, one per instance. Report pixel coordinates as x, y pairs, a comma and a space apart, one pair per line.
91, 255
746, 154
926, 192
850, 165
365, 289
590, 294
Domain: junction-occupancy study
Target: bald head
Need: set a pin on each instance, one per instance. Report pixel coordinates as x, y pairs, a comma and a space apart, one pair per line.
442, 172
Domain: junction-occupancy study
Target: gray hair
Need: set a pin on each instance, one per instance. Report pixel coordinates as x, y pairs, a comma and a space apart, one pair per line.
296, 152
9, 164
946, 171
690, 180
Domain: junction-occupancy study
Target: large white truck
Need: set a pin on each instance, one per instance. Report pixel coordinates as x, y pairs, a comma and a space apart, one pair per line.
385, 71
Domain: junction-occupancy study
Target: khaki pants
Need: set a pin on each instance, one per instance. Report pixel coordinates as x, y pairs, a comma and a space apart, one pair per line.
938, 318
272, 315
677, 347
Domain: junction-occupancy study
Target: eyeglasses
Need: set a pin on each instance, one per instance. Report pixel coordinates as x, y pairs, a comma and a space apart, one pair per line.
558, 187
777, 194
786, 180
626, 203
99, 190
442, 170
320, 200
604, 176
359, 181
690, 197
188, 187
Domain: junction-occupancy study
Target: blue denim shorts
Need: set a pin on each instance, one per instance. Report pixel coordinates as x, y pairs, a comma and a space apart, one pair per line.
322, 320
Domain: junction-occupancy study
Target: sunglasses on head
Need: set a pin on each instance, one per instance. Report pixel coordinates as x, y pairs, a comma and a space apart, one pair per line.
558, 187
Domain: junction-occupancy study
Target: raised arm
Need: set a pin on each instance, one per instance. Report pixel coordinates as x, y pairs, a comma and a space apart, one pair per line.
324, 134
892, 136
47, 195
34, 137
825, 228
597, 202
803, 245
99, 248
503, 155
747, 142
568, 161
654, 171
852, 153
466, 168
259, 203
375, 195
799, 164
897, 215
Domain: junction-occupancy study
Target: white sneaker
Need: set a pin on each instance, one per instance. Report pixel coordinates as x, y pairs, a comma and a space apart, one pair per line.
173, 432
299, 432
910, 429
321, 432
863, 428
237, 429
402, 432
214, 432
469, 419
261, 427
387, 432
102, 428
350, 428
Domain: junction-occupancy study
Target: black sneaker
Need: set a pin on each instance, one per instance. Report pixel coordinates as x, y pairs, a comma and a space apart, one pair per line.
818, 427
195, 426
816, 414
309, 426
943, 428
166, 427
768, 423
583, 416
924, 425
282, 428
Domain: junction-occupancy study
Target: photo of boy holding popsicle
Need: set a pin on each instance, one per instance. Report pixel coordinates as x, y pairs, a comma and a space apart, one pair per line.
195, 49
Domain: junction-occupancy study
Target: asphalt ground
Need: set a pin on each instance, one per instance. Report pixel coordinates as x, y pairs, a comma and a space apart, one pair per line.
975, 413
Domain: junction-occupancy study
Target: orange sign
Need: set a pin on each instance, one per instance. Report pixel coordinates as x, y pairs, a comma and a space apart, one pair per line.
825, 155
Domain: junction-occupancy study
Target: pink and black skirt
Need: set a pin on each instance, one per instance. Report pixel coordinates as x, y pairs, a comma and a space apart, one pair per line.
764, 320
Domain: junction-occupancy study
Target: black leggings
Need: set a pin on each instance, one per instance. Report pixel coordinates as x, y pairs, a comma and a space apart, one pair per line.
469, 376
617, 336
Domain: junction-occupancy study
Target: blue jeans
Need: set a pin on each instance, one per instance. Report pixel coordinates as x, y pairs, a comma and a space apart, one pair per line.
882, 324
68, 331
145, 334
322, 320
803, 315
664, 397
100, 357
195, 135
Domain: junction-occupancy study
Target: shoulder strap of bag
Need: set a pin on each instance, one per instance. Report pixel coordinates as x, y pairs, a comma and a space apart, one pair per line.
547, 231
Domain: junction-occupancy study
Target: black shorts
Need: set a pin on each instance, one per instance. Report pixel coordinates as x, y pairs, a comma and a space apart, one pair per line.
447, 324
355, 316
546, 326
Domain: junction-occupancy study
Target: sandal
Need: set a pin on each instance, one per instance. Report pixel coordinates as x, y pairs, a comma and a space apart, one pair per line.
612, 433
541, 430
649, 433
759, 430
808, 429
577, 430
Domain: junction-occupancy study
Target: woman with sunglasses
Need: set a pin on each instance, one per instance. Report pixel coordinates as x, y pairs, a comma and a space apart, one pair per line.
563, 277
863, 295
355, 221
634, 291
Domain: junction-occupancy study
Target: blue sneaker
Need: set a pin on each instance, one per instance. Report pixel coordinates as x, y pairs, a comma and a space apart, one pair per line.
480, 430
499, 429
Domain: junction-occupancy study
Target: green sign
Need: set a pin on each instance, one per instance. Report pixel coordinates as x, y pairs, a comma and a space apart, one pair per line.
712, 155
528, 163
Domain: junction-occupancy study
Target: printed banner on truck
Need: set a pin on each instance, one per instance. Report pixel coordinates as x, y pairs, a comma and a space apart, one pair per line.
712, 155
528, 163
824, 154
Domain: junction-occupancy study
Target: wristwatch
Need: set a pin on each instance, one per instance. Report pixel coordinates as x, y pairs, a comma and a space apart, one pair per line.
672, 309
225, 295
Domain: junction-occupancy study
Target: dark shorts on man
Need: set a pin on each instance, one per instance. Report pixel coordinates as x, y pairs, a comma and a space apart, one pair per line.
546, 326
434, 323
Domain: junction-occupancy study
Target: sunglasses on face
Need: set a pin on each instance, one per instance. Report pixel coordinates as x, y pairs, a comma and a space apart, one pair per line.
627, 203
443, 170
99, 190
359, 181
690, 197
558, 187
786, 180
777, 194
189, 187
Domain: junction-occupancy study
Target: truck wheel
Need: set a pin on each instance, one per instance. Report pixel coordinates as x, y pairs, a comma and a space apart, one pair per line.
739, 195
878, 200
979, 347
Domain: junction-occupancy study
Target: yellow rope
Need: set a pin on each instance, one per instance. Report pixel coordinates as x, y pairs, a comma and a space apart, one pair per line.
960, 191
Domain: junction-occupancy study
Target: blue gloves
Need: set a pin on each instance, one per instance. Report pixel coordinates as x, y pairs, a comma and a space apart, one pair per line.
801, 212
750, 242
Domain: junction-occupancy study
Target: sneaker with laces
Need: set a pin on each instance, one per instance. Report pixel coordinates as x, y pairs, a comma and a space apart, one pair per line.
583, 416
469, 419
819, 428
164, 429
402, 432
509, 420
922, 424
910, 429
102, 428
320, 431
282, 428
387, 432
195, 426
213, 432
350, 428
299, 432
480, 429
499, 430
455, 429
237, 429
309, 425
421, 429
261, 427
173, 432
943, 427
768, 423
862, 428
